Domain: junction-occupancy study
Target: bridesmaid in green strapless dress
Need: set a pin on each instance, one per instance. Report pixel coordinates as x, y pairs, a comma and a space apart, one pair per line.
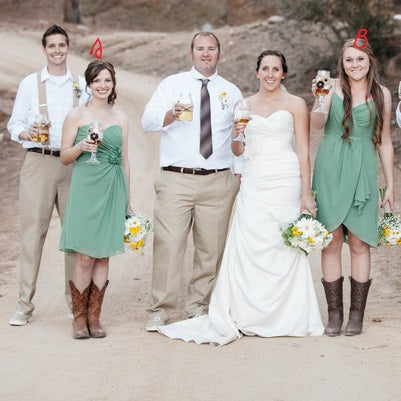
98, 199
356, 128
345, 173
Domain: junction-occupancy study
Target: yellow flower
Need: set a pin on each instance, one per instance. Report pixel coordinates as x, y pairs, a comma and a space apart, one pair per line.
310, 240
386, 232
134, 230
399, 241
136, 245
296, 232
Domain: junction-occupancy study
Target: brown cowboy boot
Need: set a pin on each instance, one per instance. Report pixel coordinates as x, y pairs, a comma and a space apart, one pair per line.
359, 294
79, 310
334, 297
94, 308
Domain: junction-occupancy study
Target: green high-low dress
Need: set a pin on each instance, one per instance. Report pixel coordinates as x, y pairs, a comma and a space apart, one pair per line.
94, 220
345, 174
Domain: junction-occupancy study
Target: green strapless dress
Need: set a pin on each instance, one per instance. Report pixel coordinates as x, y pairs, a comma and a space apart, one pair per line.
345, 174
97, 200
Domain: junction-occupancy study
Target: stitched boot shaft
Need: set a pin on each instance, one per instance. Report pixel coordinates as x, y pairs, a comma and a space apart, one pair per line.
334, 297
359, 295
79, 310
94, 309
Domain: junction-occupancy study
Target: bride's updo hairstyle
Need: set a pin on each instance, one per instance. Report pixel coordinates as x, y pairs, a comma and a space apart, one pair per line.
373, 90
93, 70
272, 53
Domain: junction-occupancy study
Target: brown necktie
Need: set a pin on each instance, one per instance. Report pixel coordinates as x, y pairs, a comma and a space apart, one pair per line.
205, 123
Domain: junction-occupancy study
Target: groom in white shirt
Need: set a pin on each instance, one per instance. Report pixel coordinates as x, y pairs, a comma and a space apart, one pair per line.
196, 188
44, 180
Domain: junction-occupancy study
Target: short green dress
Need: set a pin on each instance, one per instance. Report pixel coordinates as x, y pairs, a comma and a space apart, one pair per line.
345, 173
94, 220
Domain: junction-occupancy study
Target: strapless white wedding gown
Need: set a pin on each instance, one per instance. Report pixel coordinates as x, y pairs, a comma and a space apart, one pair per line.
264, 288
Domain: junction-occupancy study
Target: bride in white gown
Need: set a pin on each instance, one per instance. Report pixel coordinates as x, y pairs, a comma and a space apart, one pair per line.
264, 288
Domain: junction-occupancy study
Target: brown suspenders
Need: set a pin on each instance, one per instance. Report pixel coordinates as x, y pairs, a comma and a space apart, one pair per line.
43, 98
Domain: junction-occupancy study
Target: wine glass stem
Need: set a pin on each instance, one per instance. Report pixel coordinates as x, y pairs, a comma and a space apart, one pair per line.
321, 101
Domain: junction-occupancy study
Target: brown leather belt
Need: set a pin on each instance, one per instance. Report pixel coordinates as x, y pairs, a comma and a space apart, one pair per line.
43, 151
193, 171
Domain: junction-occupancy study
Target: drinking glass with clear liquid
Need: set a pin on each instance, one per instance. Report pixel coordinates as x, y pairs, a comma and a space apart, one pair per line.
242, 114
42, 124
322, 89
95, 136
187, 106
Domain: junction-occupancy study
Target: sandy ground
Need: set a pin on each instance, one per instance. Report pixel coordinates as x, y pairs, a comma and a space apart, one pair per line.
42, 362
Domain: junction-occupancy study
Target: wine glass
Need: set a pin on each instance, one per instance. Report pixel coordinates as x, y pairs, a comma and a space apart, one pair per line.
95, 136
322, 89
242, 114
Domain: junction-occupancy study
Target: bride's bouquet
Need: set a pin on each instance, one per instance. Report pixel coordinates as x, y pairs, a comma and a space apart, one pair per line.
306, 233
137, 229
389, 225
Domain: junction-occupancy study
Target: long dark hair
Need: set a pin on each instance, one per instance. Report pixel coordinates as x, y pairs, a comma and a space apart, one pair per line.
374, 90
93, 70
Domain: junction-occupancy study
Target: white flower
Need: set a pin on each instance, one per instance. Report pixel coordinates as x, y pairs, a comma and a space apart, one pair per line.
306, 234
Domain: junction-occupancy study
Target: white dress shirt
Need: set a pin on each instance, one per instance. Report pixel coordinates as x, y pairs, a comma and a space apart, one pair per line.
179, 144
398, 114
59, 94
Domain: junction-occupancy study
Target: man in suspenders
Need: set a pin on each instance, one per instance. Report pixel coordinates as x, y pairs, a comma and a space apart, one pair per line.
44, 180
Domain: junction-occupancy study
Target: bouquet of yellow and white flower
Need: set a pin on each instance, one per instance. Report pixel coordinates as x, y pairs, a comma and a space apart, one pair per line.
306, 234
389, 225
137, 229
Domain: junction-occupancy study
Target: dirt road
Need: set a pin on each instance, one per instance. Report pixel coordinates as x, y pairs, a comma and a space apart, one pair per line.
41, 362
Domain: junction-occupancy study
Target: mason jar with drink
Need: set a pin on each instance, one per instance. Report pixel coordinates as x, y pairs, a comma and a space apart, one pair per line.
183, 108
40, 129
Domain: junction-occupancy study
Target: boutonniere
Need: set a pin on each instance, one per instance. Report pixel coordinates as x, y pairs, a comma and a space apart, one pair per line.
223, 97
77, 89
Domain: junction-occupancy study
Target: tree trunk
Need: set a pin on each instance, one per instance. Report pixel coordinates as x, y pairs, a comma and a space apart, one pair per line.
71, 11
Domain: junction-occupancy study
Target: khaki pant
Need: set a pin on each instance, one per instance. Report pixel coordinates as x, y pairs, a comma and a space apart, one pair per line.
44, 183
185, 201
